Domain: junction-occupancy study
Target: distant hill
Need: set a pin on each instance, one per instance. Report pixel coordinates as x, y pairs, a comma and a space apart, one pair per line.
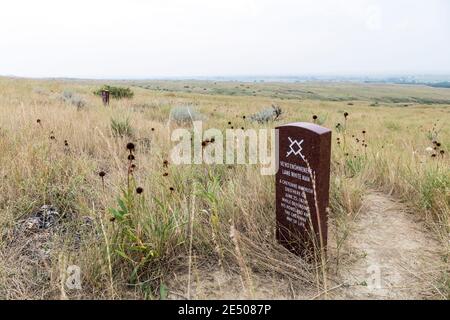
445, 84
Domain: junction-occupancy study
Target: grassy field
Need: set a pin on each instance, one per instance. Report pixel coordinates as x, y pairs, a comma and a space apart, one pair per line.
192, 221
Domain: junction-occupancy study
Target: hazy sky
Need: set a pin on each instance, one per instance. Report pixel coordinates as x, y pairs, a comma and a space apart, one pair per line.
155, 38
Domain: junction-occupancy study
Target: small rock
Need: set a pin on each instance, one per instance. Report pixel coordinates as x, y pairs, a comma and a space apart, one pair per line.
46, 217
32, 224
87, 221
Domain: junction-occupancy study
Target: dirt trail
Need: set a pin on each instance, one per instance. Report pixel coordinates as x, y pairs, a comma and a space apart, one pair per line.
389, 254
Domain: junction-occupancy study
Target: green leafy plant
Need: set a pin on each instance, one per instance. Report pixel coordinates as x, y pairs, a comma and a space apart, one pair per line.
148, 233
116, 92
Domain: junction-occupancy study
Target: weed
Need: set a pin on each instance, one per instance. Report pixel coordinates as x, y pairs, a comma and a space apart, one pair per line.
121, 128
185, 114
266, 115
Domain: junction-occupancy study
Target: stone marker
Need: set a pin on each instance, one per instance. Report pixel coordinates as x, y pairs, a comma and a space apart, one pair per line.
105, 97
302, 185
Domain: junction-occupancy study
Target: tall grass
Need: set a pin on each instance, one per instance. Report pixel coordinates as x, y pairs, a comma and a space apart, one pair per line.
188, 218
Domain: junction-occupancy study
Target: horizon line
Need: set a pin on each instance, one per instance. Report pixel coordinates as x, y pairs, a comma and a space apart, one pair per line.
237, 77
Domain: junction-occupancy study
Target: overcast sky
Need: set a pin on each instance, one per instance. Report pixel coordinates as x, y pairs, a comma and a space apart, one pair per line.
166, 38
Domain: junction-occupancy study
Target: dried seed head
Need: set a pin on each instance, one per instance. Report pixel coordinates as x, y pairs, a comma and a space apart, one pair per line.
165, 174
165, 163
102, 174
131, 157
364, 131
229, 122
153, 129
130, 146
139, 190
171, 189
243, 117
345, 114
38, 121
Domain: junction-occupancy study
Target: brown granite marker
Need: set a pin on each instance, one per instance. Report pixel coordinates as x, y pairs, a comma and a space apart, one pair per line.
302, 185
105, 97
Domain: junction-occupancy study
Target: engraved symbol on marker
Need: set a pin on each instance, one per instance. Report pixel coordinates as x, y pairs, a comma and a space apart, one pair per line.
295, 148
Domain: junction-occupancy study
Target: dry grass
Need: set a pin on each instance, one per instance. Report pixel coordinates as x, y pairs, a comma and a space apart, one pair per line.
171, 233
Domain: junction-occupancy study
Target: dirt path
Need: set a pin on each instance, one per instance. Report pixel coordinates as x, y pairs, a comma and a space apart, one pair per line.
389, 254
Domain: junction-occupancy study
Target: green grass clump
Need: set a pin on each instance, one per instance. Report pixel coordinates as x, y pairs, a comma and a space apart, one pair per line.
121, 128
434, 183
